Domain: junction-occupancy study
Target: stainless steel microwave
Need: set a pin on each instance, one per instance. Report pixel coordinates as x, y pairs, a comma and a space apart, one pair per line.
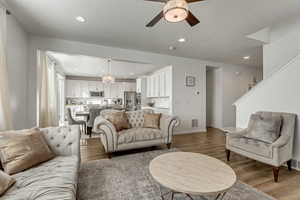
96, 93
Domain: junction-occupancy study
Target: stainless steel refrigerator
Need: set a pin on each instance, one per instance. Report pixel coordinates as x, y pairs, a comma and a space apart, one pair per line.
130, 101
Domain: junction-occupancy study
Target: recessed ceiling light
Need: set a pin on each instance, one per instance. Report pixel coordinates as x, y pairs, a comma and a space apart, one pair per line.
80, 19
181, 40
246, 57
172, 48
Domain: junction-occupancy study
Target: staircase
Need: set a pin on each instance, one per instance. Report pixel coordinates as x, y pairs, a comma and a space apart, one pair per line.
280, 92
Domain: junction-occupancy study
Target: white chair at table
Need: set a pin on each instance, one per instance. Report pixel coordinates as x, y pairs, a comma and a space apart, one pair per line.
72, 121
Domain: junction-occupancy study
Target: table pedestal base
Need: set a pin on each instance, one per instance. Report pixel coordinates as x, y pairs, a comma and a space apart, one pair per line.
220, 196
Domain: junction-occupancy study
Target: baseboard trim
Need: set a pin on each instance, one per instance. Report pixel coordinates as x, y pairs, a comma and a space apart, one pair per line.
189, 131
295, 165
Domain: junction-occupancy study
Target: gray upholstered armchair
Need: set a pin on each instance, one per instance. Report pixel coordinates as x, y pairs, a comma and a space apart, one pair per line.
276, 153
136, 136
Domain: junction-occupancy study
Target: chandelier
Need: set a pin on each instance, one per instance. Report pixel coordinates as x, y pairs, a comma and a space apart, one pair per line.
176, 10
108, 78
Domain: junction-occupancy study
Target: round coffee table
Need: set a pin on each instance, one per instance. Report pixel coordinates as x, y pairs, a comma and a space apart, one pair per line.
192, 174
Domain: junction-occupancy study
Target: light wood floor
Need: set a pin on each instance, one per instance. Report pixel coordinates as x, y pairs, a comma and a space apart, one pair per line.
212, 143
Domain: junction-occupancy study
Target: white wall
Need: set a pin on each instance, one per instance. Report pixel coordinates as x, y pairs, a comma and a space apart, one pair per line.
284, 45
279, 93
235, 84
214, 98
231, 82
17, 61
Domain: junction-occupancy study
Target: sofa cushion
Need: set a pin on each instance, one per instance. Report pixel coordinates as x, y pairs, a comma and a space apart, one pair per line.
55, 179
136, 118
6, 182
23, 151
152, 120
119, 120
266, 129
138, 135
252, 146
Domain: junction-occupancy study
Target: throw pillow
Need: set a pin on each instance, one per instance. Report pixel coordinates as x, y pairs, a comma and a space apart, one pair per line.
12, 134
23, 151
119, 120
152, 120
264, 129
6, 182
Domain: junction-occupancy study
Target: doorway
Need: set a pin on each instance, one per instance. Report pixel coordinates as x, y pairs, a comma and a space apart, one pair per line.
214, 97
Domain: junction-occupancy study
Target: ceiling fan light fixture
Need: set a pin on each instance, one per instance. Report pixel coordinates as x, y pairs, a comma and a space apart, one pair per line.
176, 10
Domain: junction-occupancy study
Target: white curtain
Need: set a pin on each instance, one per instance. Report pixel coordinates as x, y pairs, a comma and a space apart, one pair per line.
47, 91
5, 108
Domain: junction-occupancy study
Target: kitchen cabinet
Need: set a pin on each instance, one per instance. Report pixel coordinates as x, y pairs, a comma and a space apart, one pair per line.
159, 84
139, 85
82, 88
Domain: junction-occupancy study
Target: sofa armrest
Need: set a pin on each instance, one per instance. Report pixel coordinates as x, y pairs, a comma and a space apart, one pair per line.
63, 141
241, 133
167, 124
108, 133
281, 141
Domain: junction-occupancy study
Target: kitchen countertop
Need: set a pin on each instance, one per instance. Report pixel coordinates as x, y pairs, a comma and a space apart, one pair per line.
148, 107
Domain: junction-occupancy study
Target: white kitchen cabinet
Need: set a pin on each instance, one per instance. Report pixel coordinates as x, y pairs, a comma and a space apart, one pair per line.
69, 88
92, 85
168, 76
149, 85
156, 90
99, 86
106, 90
84, 89
73, 88
159, 84
115, 91
139, 85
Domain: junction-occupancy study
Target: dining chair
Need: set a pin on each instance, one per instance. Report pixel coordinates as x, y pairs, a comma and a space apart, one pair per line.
72, 121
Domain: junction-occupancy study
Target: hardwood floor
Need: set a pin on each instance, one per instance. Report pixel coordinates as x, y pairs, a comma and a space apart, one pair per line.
212, 143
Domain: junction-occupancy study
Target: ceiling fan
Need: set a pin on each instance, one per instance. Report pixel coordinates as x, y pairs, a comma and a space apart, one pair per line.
175, 11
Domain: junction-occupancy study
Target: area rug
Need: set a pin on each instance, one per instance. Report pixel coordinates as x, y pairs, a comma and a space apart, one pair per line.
127, 177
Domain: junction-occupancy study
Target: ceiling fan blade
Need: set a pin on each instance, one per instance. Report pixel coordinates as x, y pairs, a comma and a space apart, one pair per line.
162, 1
155, 19
192, 1
192, 20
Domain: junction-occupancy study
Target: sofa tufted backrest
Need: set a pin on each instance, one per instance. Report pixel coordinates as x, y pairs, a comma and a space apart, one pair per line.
63, 141
136, 118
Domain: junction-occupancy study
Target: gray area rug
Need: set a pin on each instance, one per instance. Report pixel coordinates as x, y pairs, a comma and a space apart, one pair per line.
127, 177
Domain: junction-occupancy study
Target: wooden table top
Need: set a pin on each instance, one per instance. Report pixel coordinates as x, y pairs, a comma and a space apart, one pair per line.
192, 173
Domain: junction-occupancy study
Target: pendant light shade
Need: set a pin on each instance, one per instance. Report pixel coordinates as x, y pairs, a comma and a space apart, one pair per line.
108, 78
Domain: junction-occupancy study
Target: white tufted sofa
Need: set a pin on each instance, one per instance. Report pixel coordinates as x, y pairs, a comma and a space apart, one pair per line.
136, 136
56, 178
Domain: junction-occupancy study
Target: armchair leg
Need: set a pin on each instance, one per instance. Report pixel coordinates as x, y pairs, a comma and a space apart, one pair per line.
276, 173
289, 164
169, 145
109, 155
228, 155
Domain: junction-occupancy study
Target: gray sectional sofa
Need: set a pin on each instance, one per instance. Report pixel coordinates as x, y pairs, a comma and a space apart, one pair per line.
56, 178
